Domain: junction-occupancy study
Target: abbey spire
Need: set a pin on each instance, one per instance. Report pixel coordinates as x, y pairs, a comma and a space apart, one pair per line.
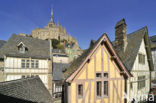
52, 17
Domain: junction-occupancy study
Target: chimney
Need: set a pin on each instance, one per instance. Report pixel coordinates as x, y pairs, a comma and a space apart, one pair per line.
120, 35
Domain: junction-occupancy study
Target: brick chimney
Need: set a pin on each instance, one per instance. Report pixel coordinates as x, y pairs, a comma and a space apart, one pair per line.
120, 35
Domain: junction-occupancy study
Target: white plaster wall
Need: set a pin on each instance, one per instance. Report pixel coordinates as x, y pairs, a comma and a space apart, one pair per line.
14, 71
154, 62
139, 70
12, 62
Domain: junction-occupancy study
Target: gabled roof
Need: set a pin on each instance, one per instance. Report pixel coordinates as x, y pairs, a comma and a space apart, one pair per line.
36, 48
2, 42
77, 64
58, 69
134, 41
29, 89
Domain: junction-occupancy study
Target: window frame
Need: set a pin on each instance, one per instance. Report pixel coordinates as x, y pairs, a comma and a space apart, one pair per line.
141, 58
100, 91
102, 79
23, 63
80, 95
29, 63
105, 95
141, 82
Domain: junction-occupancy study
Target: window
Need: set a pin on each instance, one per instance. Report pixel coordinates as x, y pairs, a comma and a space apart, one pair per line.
36, 65
98, 88
105, 75
131, 85
105, 88
141, 58
21, 48
98, 75
27, 63
32, 64
23, 63
80, 90
141, 82
102, 84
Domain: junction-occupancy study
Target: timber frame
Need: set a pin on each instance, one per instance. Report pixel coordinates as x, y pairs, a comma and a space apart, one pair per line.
119, 68
106, 41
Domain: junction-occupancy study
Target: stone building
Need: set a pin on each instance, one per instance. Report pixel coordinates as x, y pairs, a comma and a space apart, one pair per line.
24, 56
53, 31
56, 31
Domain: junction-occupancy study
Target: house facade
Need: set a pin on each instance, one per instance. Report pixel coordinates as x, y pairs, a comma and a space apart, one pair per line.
23, 57
135, 52
97, 76
153, 50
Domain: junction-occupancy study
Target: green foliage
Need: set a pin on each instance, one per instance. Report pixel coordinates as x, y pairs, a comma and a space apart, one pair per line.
60, 46
55, 42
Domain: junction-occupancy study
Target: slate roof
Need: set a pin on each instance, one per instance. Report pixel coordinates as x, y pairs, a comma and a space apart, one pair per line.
58, 69
153, 38
134, 41
38, 49
153, 42
2, 42
8, 99
29, 89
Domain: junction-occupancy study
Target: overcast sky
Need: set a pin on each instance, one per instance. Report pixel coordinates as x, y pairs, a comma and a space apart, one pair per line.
83, 19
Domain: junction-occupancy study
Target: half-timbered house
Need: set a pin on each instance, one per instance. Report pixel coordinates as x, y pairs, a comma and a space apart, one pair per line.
97, 76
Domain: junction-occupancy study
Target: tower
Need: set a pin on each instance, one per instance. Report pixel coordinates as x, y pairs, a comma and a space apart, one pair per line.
51, 23
52, 17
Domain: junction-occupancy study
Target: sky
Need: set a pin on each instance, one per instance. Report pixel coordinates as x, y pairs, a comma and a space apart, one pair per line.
83, 19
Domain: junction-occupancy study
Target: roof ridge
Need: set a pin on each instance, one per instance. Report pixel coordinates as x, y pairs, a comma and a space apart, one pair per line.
29, 37
145, 27
17, 80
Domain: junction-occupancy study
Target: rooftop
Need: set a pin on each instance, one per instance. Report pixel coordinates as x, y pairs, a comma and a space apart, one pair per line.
29, 89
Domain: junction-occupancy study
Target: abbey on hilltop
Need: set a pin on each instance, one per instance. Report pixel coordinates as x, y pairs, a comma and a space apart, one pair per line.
53, 31
61, 39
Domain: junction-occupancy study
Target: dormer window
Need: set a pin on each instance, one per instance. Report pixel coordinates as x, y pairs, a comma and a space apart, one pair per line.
22, 48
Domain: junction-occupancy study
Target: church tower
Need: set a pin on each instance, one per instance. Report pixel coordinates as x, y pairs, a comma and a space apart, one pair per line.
51, 23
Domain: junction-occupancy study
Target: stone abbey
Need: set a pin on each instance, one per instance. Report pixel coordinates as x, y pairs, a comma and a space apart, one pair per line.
53, 31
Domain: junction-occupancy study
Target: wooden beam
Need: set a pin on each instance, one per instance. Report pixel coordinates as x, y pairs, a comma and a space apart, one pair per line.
122, 72
113, 57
